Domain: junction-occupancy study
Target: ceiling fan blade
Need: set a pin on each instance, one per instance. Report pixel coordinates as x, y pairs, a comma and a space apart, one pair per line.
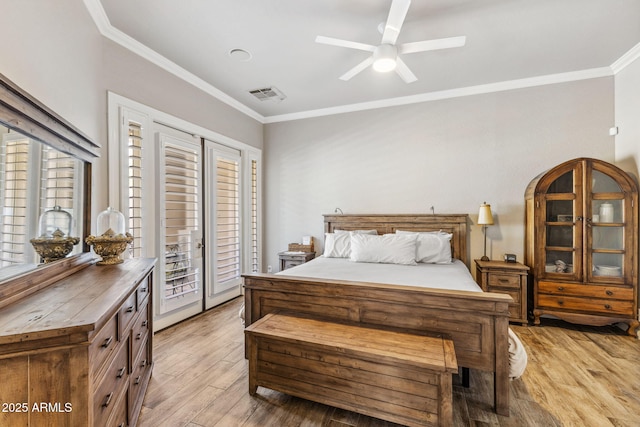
432, 44
392, 27
344, 43
357, 69
404, 72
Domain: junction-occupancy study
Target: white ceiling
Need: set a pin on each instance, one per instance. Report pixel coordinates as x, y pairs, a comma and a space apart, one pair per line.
509, 43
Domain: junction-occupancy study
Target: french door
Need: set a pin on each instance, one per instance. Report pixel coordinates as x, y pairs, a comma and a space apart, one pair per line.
179, 284
223, 249
191, 203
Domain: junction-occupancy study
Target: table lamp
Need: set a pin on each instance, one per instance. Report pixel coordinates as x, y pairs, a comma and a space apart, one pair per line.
485, 218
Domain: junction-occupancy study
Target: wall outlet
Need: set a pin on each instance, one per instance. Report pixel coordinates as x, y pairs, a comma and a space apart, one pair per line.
269, 269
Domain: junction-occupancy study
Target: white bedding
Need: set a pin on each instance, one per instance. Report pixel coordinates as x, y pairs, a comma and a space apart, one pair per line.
454, 276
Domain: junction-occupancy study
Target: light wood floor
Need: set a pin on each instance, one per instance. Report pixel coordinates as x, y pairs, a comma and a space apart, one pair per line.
577, 376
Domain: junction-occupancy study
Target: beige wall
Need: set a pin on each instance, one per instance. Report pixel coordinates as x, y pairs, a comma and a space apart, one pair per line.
627, 113
53, 50
451, 154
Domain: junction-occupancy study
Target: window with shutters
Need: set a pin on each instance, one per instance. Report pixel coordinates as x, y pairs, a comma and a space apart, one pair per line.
15, 222
255, 259
135, 191
181, 196
58, 182
26, 196
227, 221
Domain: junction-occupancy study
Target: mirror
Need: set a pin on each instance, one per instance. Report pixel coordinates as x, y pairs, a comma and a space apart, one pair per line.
34, 178
44, 162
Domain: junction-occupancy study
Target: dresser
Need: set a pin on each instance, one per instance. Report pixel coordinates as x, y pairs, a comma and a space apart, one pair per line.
79, 352
506, 278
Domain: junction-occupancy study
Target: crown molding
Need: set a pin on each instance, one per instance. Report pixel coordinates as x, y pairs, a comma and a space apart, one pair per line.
625, 60
107, 30
447, 94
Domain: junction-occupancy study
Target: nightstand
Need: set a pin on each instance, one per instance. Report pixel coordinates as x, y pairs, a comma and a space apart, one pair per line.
291, 259
506, 278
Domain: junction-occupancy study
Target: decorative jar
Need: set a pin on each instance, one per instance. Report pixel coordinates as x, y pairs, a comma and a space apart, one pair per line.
112, 239
54, 241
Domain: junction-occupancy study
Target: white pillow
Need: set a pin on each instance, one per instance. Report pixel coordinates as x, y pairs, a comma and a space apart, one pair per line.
337, 245
433, 247
388, 248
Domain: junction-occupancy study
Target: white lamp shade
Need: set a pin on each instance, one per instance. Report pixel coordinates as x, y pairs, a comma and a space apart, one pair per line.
484, 215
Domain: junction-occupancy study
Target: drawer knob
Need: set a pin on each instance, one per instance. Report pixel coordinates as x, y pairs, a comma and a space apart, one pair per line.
607, 306
107, 400
561, 288
121, 372
609, 293
143, 363
503, 280
139, 336
560, 302
144, 324
107, 342
130, 309
136, 381
143, 289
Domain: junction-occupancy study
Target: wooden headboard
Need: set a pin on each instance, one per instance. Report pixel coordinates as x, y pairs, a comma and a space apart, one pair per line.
455, 224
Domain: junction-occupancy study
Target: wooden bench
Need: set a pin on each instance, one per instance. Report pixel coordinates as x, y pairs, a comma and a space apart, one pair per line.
395, 376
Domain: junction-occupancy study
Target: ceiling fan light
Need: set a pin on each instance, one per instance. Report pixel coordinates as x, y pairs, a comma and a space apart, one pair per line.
384, 65
384, 58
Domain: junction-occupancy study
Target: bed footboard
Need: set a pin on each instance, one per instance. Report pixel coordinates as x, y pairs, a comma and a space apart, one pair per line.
476, 322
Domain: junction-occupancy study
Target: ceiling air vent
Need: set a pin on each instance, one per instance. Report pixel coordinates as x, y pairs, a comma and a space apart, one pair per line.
268, 94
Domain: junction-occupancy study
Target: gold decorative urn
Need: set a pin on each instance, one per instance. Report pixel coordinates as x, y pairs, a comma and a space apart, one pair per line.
52, 244
113, 240
54, 247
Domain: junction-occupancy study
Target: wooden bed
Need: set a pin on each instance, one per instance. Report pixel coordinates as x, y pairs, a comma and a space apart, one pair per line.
477, 322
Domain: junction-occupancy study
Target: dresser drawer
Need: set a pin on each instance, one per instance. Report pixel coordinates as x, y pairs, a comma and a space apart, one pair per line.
126, 314
103, 345
591, 291
288, 263
140, 372
140, 331
110, 389
504, 280
515, 311
515, 294
603, 306
143, 291
119, 417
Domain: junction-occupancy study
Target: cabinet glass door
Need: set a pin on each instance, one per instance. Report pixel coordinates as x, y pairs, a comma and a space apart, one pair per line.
606, 257
561, 234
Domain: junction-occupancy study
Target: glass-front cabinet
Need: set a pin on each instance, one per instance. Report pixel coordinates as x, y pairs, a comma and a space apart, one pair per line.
581, 243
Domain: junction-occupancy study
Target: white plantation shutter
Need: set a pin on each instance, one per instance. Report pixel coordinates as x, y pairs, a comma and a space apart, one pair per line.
223, 250
255, 253
13, 234
135, 186
58, 181
180, 205
227, 221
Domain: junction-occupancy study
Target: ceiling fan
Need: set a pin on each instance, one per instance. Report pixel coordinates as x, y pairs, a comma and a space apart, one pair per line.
385, 57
